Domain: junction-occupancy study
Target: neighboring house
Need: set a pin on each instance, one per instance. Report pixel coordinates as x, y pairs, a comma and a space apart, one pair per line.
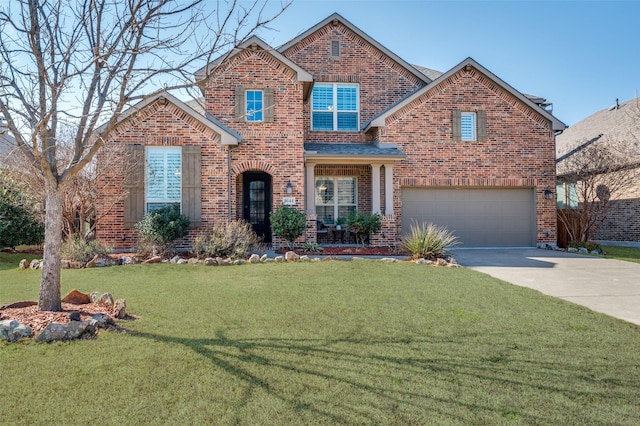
333, 122
616, 131
7, 144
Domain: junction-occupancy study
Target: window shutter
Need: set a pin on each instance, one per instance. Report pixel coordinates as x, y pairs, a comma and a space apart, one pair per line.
457, 129
240, 108
133, 185
268, 105
191, 184
482, 125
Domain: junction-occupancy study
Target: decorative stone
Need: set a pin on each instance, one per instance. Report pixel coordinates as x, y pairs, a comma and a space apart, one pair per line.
24, 264
106, 299
210, 261
174, 259
254, 258
388, 260
572, 250
304, 258
269, 260
154, 259
239, 262
182, 261
583, 250
120, 309
35, 264
291, 256
313, 259
69, 331
77, 297
127, 260
24, 304
193, 261
440, 262
13, 331
94, 296
223, 262
423, 261
264, 258
74, 316
102, 320
99, 261
279, 259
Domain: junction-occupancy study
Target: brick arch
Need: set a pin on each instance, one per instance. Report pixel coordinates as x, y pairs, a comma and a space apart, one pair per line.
248, 165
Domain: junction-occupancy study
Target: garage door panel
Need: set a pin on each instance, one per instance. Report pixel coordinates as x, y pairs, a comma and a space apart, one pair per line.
482, 217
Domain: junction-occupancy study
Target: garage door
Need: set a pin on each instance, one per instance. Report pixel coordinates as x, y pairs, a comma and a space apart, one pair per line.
478, 217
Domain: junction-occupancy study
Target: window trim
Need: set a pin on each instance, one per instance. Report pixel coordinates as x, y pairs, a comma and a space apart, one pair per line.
336, 201
333, 108
165, 150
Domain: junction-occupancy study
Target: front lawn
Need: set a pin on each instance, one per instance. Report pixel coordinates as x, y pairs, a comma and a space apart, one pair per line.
335, 342
630, 254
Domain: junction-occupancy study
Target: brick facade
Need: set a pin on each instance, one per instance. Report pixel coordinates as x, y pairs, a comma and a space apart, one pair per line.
518, 152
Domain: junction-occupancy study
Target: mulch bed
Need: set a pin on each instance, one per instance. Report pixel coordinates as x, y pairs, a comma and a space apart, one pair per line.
350, 251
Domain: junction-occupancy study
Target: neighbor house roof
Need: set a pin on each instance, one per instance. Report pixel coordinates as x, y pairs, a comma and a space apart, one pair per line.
228, 136
358, 151
338, 18
619, 123
7, 143
380, 119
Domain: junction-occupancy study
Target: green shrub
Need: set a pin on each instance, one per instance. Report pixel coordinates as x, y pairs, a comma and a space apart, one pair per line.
363, 225
234, 239
428, 241
288, 223
589, 245
159, 230
19, 223
312, 247
82, 250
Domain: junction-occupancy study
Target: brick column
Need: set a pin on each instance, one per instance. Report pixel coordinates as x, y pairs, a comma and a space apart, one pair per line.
310, 191
388, 189
375, 188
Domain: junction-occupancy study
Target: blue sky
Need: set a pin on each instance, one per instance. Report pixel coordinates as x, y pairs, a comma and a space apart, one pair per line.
580, 55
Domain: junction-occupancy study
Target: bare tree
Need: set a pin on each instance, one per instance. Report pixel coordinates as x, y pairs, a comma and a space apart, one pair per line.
77, 64
601, 170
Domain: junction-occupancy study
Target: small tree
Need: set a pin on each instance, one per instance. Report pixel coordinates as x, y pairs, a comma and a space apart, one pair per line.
160, 229
363, 225
288, 223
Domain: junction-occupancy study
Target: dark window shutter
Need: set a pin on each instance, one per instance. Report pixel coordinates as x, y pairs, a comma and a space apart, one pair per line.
191, 184
240, 108
268, 105
457, 129
133, 185
482, 125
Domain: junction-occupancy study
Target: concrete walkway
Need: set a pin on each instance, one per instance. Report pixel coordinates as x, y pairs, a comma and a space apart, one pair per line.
608, 286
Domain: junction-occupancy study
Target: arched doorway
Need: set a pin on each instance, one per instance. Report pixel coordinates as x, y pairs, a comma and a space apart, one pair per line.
256, 200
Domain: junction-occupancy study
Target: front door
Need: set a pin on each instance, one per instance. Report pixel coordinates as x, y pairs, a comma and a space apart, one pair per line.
256, 199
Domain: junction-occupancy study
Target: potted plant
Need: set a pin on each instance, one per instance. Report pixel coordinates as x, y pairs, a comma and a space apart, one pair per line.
339, 222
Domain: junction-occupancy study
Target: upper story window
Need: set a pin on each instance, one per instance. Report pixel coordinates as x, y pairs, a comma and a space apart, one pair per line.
163, 177
335, 107
468, 126
254, 105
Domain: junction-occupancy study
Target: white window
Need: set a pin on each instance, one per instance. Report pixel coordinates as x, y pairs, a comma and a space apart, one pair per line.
163, 180
254, 105
335, 198
468, 126
335, 107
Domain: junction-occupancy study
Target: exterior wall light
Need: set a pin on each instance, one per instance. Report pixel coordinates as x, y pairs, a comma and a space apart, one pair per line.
288, 189
548, 194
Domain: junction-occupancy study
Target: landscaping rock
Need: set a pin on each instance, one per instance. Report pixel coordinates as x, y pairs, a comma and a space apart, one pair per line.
389, 260
291, 256
304, 258
74, 316
18, 305
102, 320
69, 331
239, 262
440, 262
94, 296
127, 260
572, 250
264, 258
77, 297
99, 261
222, 262
268, 260
193, 261
174, 259
120, 309
279, 259
24, 264
583, 250
424, 261
154, 259
254, 258
106, 299
35, 264
13, 331
210, 261
182, 261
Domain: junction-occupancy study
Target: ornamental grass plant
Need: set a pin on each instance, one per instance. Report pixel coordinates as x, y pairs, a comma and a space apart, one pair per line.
428, 241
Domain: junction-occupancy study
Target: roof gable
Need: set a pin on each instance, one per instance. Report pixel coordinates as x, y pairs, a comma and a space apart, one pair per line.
338, 18
254, 42
469, 63
228, 136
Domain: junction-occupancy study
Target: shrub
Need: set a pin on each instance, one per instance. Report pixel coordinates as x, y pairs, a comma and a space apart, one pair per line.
18, 224
363, 225
288, 223
82, 250
159, 229
234, 239
312, 247
589, 245
428, 241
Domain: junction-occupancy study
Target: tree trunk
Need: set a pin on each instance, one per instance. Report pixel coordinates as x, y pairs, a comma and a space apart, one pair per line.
49, 299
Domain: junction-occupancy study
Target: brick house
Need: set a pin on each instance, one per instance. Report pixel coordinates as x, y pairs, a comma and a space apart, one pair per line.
616, 130
332, 122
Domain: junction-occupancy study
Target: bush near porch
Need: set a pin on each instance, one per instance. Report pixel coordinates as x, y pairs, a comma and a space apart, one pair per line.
325, 342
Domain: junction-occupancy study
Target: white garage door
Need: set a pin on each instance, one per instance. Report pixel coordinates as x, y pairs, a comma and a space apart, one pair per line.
478, 217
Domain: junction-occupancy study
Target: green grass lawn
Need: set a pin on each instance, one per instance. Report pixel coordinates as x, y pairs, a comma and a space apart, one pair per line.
630, 254
323, 343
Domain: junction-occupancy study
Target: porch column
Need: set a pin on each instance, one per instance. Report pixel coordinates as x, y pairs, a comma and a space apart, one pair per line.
388, 189
375, 188
310, 188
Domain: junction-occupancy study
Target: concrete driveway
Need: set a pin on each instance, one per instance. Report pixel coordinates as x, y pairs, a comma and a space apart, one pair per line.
603, 285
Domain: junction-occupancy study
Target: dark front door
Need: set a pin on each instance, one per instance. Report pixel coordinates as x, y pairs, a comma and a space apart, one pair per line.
256, 199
